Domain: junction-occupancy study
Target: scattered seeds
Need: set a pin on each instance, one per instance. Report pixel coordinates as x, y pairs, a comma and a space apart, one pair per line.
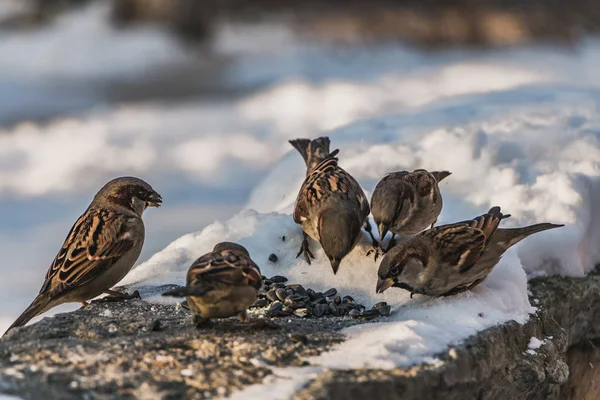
278, 279
273, 257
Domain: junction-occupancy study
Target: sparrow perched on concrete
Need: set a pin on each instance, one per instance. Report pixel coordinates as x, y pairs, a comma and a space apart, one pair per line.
407, 202
331, 206
100, 249
452, 258
221, 284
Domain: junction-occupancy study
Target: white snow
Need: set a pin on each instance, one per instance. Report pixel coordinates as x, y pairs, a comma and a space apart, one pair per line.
518, 128
535, 343
83, 45
536, 159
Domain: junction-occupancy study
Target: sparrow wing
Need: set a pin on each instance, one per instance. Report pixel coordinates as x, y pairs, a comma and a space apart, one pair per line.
228, 267
328, 181
461, 244
97, 241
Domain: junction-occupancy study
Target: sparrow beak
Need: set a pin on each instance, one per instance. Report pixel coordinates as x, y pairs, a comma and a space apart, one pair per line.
154, 200
383, 285
335, 264
383, 230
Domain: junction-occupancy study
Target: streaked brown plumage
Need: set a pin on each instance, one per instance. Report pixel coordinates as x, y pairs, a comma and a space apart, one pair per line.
451, 258
221, 284
407, 202
99, 250
331, 207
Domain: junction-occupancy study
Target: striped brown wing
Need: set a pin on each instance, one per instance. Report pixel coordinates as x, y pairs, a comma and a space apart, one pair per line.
461, 244
328, 180
228, 267
96, 241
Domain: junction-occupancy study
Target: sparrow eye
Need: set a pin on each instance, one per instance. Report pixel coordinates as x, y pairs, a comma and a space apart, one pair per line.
395, 270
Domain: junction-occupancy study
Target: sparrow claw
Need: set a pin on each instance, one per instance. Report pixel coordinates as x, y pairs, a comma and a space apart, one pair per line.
114, 296
378, 252
304, 249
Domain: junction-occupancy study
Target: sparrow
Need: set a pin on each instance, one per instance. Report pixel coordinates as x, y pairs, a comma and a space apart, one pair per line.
221, 284
331, 207
450, 259
407, 202
99, 250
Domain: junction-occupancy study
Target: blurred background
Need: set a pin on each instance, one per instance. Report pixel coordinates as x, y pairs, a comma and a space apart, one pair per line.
199, 98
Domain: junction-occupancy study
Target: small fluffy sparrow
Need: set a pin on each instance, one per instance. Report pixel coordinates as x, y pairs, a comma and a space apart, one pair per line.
407, 202
452, 258
100, 250
221, 284
331, 206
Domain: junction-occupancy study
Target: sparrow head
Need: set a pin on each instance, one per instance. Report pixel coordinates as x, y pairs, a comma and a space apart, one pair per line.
232, 247
339, 230
400, 268
131, 193
386, 203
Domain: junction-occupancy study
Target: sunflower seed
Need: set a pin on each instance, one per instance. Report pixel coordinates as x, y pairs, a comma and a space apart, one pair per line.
320, 309
311, 293
259, 303
369, 314
301, 312
272, 295
385, 310
380, 305
337, 300
273, 257
330, 293
334, 310
278, 279
282, 294
267, 282
354, 313
321, 300
348, 299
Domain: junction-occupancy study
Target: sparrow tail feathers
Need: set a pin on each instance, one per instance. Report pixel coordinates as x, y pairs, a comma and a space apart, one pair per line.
38, 306
511, 236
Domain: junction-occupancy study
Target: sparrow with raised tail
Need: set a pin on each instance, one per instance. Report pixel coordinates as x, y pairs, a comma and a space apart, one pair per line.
221, 284
407, 202
331, 207
100, 249
452, 258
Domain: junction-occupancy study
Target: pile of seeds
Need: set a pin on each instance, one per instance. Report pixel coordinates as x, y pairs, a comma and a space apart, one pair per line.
284, 300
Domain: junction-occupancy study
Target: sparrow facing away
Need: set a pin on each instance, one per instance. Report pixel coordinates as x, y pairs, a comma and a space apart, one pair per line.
331, 206
99, 250
407, 202
452, 258
221, 284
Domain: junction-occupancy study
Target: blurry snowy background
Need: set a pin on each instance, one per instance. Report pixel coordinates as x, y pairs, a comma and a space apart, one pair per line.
90, 91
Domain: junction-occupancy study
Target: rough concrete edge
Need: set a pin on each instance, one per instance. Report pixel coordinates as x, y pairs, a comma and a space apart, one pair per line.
568, 312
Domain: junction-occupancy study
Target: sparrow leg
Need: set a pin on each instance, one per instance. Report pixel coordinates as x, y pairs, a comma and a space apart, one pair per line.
376, 247
391, 243
114, 296
304, 249
370, 232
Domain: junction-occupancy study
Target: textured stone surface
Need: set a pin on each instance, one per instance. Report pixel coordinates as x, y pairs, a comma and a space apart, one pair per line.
139, 350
